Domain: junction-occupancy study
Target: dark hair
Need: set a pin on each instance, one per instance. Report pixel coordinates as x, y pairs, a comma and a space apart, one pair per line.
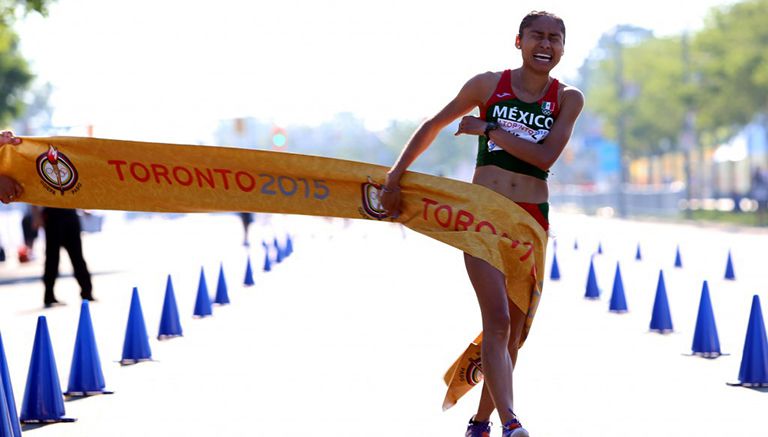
533, 15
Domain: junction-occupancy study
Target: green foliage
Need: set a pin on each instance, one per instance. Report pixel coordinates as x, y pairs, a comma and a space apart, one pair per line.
722, 75
654, 93
14, 76
658, 108
733, 61
9, 9
736, 218
14, 71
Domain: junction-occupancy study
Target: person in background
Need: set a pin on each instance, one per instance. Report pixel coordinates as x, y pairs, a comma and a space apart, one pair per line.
247, 219
760, 194
62, 229
29, 231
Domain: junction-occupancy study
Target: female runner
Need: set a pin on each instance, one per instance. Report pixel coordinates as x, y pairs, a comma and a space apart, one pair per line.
526, 119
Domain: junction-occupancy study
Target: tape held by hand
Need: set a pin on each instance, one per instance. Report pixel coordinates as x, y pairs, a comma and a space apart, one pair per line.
94, 173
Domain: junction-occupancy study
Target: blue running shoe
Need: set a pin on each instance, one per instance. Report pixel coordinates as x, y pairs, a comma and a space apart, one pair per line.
478, 429
513, 428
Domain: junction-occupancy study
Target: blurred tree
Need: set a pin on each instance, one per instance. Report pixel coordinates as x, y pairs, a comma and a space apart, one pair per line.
345, 136
730, 51
647, 85
395, 136
14, 71
657, 94
37, 117
636, 82
14, 76
445, 155
9, 9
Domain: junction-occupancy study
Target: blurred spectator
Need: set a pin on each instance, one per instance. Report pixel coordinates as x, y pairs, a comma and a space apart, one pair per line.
247, 218
760, 194
62, 229
29, 230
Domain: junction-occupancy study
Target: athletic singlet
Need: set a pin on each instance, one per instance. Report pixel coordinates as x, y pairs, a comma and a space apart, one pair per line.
529, 121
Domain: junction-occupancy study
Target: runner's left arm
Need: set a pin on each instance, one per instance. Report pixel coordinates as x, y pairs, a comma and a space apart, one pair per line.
541, 155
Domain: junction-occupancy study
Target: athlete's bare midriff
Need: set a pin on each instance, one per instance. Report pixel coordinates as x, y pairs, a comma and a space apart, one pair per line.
514, 186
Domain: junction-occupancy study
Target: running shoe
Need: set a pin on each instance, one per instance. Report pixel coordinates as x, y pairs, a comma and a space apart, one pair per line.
513, 428
478, 429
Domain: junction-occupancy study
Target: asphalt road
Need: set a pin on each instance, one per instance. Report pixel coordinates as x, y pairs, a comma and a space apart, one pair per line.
351, 334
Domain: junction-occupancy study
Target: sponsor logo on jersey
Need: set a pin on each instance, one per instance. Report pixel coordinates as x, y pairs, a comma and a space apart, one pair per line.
519, 130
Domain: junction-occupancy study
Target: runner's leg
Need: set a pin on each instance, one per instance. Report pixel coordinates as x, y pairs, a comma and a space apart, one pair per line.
486, 407
490, 288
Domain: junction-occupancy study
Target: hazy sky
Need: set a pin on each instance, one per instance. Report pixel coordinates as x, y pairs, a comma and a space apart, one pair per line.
169, 70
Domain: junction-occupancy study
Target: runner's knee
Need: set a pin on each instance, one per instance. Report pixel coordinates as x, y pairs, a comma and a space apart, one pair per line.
496, 329
514, 342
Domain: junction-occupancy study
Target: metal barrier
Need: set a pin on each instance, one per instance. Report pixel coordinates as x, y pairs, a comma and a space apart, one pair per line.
638, 200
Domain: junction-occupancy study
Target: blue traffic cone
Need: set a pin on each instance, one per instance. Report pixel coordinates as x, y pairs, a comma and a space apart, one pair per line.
618, 301
267, 262
678, 260
593, 292
136, 343
85, 375
555, 273
248, 281
43, 401
203, 303
705, 340
638, 255
661, 319
729, 274
600, 248
280, 256
222, 298
754, 361
9, 422
170, 324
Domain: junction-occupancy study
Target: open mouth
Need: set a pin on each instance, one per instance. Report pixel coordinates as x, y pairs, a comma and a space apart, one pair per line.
542, 57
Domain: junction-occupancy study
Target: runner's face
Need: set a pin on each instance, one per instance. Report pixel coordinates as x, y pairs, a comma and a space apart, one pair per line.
541, 44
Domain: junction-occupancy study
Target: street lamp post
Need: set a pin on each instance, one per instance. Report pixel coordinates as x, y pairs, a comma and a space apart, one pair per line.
623, 36
688, 134
621, 123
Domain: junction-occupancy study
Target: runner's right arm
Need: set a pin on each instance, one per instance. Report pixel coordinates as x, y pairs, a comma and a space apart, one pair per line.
469, 97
